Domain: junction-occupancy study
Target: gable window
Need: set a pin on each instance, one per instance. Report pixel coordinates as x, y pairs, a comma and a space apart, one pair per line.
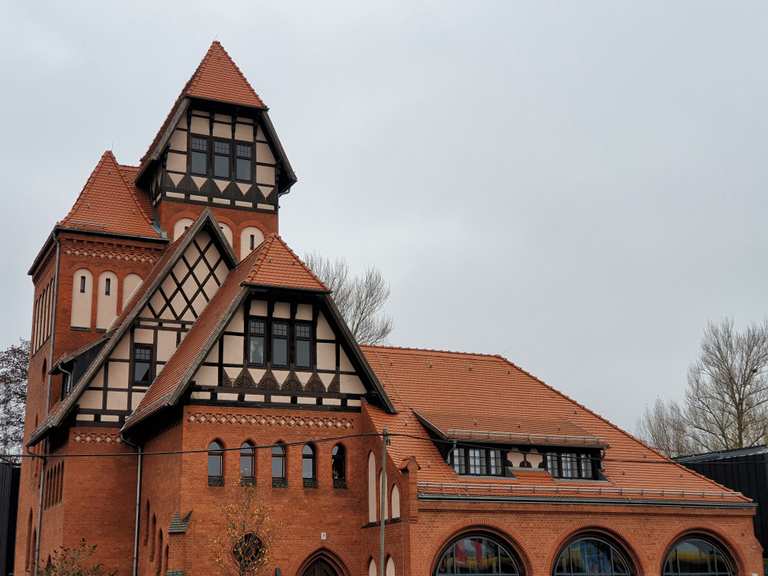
215, 464
303, 344
339, 466
279, 343
475, 461
572, 465
198, 156
142, 364
308, 472
247, 464
278, 466
221, 154
243, 154
256, 333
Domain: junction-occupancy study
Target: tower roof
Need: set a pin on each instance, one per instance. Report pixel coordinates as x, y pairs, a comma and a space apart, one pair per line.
277, 265
109, 203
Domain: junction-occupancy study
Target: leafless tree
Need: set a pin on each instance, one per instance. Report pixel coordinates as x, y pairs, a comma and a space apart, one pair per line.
360, 299
242, 548
726, 400
663, 427
74, 561
14, 363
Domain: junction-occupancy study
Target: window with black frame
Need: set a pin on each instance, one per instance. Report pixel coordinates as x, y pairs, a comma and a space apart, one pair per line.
198, 156
243, 156
279, 479
593, 555
572, 465
479, 554
308, 466
247, 464
302, 335
478, 461
222, 152
142, 364
215, 464
279, 343
339, 466
698, 556
256, 341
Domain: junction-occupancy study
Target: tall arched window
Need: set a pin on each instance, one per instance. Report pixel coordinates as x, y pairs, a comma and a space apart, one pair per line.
106, 303
180, 227
250, 238
82, 297
308, 466
383, 494
479, 554
215, 464
159, 566
390, 567
395, 501
699, 556
165, 560
593, 555
372, 570
131, 283
247, 464
278, 466
28, 555
339, 466
154, 531
372, 488
227, 232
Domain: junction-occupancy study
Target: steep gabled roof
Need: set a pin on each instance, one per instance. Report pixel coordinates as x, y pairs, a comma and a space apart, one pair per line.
272, 264
218, 78
109, 203
131, 311
277, 265
461, 389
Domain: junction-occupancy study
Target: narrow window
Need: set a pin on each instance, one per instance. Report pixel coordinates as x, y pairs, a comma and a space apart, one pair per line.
159, 567
279, 343
107, 286
247, 464
215, 464
82, 284
458, 455
142, 364
221, 159
252, 241
278, 466
303, 344
339, 466
154, 531
198, 157
243, 156
256, 330
308, 472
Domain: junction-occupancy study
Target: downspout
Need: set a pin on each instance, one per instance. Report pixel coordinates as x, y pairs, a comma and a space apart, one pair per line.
36, 558
383, 503
137, 511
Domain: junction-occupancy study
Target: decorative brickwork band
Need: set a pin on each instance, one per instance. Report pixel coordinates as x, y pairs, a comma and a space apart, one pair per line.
97, 438
270, 420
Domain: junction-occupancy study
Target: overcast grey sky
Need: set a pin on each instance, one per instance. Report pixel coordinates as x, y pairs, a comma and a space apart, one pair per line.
580, 186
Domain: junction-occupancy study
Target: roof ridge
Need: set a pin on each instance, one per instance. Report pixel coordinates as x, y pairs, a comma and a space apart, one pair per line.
86, 185
483, 355
300, 261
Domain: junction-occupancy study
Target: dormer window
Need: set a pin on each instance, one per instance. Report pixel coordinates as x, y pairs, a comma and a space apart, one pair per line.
573, 465
477, 461
198, 158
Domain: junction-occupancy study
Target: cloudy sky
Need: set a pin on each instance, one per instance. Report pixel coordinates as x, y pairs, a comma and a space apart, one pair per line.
580, 186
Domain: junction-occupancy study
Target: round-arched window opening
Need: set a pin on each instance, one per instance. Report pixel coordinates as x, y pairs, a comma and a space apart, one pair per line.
592, 555
479, 554
699, 556
248, 553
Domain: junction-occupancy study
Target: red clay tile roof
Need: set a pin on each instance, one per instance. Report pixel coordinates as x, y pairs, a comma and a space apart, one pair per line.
110, 203
277, 265
218, 78
486, 388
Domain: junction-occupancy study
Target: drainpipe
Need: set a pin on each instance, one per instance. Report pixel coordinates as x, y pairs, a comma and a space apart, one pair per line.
36, 557
137, 511
383, 505
53, 324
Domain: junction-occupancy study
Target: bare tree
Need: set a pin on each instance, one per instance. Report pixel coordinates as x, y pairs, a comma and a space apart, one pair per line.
14, 363
360, 299
74, 562
663, 427
242, 547
726, 401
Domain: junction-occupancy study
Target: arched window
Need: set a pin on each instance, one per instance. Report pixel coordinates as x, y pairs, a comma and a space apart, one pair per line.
28, 556
479, 554
154, 531
146, 524
395, 501
383, 494
390, 568
159, 567
215, 464
372, 568
308, 472
106, 303
180, 227
700, 556
250, 238
131, 283
278, 466
165, 559
372, 488
589, 555
82, 285
227, 232
339, 466
247, 467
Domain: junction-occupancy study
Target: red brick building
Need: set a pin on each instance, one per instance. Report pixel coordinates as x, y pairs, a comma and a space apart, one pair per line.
181, 350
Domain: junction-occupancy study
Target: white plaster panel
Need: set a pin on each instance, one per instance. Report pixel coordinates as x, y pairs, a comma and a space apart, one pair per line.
237, 323
201, 395
233, 349
351, 385
344, 364
244, 132
304, 312
254, 397
180, 226
280, 375
91, 399
281, 399
264, 153
131, 283
258, 308
98, 379
213, 355
81, 301
117, 400
332, 401
227, 396
306, 400
257, 374
265, 174
176, 162
166, 345
106, 304
143, 336
123, 349
281, 310
207, 376
324, 331
118, 374
222, 130
200, 126
179, 140
136, 398
326, 356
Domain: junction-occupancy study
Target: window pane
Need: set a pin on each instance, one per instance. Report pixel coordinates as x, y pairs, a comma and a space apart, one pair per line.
307, 463
199, 144
278, 462
256, 350
243, 167
243, 150
221, 166
198, 163
338, 463
221, 148
246, 461
303, 331
280, 329
256, 326
303, 353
